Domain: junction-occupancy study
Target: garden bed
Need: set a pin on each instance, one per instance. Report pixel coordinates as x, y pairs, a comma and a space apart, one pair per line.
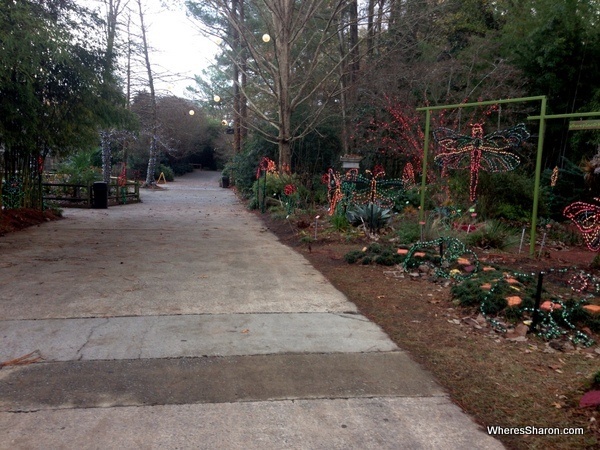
500, 379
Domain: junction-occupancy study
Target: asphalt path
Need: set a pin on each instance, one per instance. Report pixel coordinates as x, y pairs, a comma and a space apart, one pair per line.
182, 323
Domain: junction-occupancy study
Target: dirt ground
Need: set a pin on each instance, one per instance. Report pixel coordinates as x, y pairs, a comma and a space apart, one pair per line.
498, 381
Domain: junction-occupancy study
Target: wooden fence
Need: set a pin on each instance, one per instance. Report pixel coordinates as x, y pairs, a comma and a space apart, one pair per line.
79, 195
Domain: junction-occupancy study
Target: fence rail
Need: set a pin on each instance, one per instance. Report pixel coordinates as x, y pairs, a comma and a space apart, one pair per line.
66, 194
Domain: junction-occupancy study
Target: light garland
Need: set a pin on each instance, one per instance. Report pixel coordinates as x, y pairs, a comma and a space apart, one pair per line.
452, 254
586, 218
408, 176
334, 190
478, 152
554, 177
378, 190
547, 328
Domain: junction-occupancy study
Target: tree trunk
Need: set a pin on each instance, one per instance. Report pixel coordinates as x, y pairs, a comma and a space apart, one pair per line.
106, 155
153, 152
282, 21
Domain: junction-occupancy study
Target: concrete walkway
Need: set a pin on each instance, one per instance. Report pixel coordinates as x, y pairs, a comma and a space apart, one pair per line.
182, 323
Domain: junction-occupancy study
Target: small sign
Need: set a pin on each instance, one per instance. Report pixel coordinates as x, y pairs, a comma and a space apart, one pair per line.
584, 124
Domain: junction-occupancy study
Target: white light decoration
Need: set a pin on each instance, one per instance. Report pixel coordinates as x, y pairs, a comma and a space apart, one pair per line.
216, 98
192, 112
266, 38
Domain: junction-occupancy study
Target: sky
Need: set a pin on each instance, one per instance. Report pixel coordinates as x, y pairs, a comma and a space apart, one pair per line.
177, 47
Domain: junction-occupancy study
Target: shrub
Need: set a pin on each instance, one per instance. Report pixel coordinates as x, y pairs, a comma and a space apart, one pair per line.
339, 222
79, 167
166, 170
353, 256
371, 215
493, 234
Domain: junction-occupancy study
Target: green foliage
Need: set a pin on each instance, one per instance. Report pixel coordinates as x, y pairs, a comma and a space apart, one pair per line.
408, 232
493, 234
339, 222
12, 193
243, 166
371, 215
181, 168
375, 253
507, 195
468, 293
80, 167
166, 170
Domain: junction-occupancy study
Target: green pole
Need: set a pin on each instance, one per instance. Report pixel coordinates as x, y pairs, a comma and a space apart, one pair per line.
424, 172
538, 172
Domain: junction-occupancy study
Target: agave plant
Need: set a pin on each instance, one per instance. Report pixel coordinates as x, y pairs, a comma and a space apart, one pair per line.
371, 215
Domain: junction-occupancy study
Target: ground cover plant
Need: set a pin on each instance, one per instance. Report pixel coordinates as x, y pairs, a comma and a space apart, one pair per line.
500, 377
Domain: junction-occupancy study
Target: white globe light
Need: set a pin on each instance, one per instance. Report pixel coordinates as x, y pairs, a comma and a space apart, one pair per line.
217, 99
266, 37
192, 112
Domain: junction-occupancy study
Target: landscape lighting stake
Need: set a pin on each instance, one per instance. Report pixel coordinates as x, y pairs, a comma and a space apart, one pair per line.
538, 299
288, 221
542, 246
522, 238
316, 225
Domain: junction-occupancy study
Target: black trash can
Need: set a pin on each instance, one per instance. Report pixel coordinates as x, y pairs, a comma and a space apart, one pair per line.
225, 181
100, 195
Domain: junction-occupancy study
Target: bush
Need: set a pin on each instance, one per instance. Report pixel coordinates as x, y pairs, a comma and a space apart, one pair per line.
493, 234
181, 168
166, 170
371, 215
339, 222
79, 167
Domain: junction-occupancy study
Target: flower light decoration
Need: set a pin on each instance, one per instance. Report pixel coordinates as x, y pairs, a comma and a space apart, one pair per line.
266, 165
554, 177
478, 151
586, 217
408, 176
334, 189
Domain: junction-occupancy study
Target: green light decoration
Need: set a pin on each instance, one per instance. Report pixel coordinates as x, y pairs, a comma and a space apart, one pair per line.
478, 152
452, 261
552, 323
354, 188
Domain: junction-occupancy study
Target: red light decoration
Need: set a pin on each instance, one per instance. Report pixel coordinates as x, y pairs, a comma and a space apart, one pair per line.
478, 152
408, 176
586, 217
334, 189
289, 189
266, 165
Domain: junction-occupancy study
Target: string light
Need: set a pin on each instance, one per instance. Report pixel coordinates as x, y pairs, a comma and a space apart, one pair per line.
454, 260
478, 152
548, 328
586, 217
379, 191
266, 165
554, 177
408, 176
334, 190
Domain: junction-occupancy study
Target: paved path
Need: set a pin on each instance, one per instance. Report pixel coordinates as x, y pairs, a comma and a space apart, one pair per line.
182, 323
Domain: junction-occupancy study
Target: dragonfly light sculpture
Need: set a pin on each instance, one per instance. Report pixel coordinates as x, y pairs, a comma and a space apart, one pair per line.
478, 151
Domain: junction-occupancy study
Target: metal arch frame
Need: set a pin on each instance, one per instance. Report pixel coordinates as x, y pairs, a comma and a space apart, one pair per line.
538, 166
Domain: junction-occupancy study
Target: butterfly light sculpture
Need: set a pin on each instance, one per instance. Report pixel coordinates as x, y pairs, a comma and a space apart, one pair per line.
586, 217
